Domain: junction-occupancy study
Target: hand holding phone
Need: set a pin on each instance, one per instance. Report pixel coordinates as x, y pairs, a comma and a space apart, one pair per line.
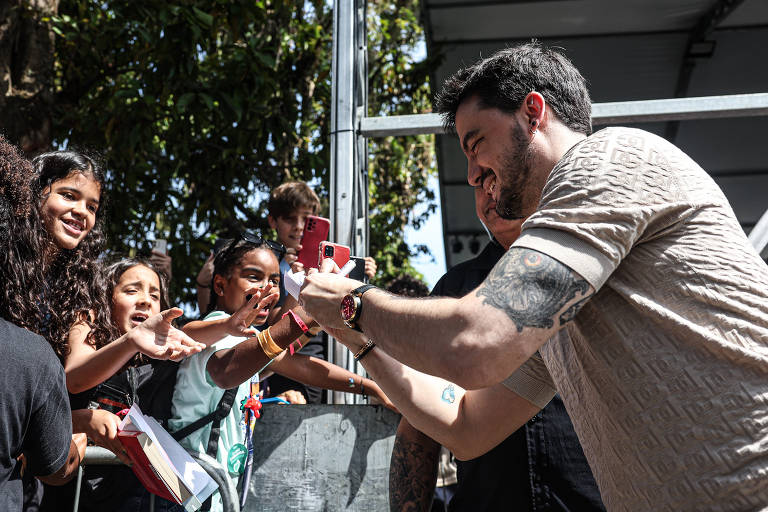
339, 253
161, 246
316, 230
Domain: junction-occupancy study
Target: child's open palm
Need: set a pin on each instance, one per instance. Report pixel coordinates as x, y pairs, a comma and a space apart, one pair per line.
158, 339
240, 323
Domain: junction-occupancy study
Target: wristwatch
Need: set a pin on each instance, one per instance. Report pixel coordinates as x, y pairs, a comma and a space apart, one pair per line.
352, 306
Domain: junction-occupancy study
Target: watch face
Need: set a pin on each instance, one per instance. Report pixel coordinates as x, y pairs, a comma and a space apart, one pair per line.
348, 307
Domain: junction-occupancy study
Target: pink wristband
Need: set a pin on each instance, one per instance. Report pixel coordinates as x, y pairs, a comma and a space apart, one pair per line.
297, 342
298, 320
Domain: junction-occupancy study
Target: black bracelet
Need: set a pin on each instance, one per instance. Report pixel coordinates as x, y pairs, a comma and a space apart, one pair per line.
364, 349
202, 285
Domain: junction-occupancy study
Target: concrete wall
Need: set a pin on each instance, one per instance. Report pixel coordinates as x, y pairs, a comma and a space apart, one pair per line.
322, 458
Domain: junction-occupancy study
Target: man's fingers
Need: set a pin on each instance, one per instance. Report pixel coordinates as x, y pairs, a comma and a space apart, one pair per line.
328, 265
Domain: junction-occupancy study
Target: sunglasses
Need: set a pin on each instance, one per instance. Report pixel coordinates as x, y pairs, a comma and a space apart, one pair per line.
278, 249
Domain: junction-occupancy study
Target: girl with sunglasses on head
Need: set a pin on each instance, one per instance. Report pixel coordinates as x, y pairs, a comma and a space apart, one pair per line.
245, 286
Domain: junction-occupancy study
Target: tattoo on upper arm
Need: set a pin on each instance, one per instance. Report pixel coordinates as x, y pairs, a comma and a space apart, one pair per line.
532, 288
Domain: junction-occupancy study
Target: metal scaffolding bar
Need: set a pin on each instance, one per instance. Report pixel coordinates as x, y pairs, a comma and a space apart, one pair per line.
349, 186
758, 237
646, 111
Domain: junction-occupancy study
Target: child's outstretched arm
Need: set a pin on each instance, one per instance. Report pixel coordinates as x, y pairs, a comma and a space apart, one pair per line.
209, 332
320, 373
87, 366
233, 366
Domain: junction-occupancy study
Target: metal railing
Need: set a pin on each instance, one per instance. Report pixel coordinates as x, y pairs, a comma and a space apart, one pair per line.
97, 456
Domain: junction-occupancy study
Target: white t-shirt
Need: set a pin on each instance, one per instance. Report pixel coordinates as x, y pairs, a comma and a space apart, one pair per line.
665, 374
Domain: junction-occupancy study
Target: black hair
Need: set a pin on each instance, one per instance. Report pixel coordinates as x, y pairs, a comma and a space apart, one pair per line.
228, 258
116, 270
21, 253
503, 81
73, 286
407, 286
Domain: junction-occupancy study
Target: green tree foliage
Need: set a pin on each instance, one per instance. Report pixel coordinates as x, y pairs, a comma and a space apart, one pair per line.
399, 167
200, 107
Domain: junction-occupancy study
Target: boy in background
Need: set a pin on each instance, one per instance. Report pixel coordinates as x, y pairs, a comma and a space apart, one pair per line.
288, 208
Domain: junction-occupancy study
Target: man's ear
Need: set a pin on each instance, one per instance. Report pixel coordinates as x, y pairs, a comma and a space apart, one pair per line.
272, 222
533, 110
218, 284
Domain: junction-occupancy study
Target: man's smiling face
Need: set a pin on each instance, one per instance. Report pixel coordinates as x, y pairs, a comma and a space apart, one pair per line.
499, 157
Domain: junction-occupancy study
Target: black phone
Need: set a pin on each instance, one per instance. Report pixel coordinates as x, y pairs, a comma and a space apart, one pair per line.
358, 273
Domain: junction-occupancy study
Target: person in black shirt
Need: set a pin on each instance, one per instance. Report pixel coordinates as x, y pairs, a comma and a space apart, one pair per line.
539, 467
35, 423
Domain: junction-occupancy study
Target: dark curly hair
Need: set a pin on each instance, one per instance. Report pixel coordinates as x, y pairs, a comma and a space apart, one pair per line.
503, 80
226, 259
76, 272
21, 253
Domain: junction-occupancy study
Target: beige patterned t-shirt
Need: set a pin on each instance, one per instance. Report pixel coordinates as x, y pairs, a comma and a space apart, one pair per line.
665, 374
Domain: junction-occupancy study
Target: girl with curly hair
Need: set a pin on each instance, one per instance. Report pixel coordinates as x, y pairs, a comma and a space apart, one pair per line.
76, 322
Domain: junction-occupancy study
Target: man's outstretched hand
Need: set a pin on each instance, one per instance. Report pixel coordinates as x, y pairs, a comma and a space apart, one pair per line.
322, 293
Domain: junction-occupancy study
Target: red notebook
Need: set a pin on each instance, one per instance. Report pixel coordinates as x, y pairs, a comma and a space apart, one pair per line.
161, 464
142, 468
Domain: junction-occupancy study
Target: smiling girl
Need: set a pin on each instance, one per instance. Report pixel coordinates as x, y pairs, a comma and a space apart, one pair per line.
70, 225
245, 287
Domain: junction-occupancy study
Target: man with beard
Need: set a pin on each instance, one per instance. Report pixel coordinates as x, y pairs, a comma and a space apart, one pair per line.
631, 247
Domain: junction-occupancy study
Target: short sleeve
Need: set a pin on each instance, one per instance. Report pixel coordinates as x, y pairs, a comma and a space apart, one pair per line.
609, 193
532, 381
48, 437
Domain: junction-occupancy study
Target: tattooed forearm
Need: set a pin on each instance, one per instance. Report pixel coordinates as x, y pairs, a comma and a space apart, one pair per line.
412, 471
532, 288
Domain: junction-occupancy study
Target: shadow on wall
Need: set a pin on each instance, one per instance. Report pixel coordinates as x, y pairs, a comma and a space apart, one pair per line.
322, 457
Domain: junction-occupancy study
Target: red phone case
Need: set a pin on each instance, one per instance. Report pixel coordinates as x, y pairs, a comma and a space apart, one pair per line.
340, 253
315, 231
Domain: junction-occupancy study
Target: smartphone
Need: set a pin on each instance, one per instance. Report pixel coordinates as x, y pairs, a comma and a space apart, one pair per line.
161, 246
316, 230
339, 253
358, 273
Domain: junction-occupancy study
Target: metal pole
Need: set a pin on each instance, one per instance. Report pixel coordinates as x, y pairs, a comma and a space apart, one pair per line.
759, 234
361, 235
645, 111
343, 110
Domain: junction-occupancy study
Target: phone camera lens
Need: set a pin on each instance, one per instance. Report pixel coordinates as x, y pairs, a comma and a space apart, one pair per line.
329, 252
